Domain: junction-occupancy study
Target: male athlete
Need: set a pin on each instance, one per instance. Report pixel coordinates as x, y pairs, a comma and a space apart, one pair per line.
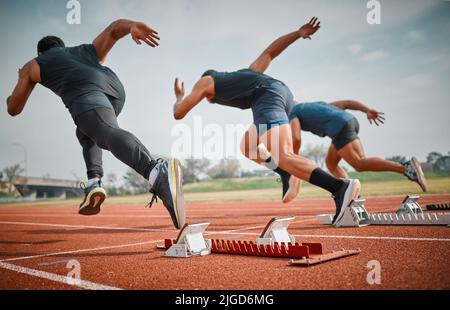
271, 102
94, 96
331, 120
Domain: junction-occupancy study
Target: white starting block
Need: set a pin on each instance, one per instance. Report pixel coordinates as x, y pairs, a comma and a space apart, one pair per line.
410, 206
190, 242
276, 232
409, 214
355, 215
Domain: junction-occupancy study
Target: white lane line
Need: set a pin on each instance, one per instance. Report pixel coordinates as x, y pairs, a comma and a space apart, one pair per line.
87, 226
231, 231
57, 278
376, 238
82, 250
119, 228
215, 232
348, 237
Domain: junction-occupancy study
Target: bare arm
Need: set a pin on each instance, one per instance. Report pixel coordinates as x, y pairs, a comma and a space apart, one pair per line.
29, 76
296, 135
279, 45
119, 29
372, 115
199, 92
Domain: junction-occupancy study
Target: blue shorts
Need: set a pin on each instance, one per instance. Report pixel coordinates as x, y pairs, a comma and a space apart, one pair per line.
273, 107
348, 134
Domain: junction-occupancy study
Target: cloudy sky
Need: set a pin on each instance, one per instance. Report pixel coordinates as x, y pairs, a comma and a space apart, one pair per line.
401, 67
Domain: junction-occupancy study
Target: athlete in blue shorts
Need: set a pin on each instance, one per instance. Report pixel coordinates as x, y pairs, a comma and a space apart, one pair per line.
331, 120
271, 102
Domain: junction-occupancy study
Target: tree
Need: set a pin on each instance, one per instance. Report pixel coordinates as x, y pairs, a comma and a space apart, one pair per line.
136, 183
226, 168
433, 157
111, 179
110, 184
440, 163
397, 158
317, 153
11, 173
193, 168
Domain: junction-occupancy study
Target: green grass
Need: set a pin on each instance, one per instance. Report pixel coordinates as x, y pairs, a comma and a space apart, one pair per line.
268, 189
271, 182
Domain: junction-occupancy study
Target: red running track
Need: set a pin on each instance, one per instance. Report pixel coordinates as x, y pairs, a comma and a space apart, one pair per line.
116, 249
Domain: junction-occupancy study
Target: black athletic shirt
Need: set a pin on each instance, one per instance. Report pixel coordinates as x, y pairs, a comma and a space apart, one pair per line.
75, 74
238, 89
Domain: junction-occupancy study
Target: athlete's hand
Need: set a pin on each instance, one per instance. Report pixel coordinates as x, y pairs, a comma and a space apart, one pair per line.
307, 30
141, 32
375, 117
179, 89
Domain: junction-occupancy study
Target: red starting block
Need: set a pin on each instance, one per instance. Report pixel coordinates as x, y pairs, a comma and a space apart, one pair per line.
275, 241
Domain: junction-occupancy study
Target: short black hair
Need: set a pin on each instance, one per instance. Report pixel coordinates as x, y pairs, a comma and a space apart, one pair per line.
49, 42
208, 73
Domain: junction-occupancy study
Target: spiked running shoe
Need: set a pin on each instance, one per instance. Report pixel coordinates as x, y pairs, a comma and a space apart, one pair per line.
94, 196
413, 171
169, 188
344, 196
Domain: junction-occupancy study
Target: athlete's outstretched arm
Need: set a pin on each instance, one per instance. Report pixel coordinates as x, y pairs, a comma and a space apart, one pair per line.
140, 32
29, 76
279, 45
199, 92
372, 115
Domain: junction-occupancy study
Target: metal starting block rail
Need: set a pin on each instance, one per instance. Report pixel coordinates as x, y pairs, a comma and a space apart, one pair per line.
438, 207
409, 214
275, 241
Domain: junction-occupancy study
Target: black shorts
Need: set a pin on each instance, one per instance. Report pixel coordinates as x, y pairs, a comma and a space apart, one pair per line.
348, 133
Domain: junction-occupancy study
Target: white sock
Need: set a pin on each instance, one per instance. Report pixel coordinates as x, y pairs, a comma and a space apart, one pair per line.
92, 182
153, 175
265, 155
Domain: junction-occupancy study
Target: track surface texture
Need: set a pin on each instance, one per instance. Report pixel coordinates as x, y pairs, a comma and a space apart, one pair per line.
116, 249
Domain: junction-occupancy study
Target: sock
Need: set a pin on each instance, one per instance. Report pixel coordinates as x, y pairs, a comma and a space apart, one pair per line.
93, 181
153, 175
326, 181
264, 154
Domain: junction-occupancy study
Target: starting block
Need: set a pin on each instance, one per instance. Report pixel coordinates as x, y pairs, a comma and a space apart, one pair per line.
409, 214
410, 206
355, 215
190, 242
276, 232
275, 241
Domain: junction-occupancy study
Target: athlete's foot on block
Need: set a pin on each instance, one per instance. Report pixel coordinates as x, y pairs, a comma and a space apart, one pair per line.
94, 196
344, 196
413, 171
294, 188
168, 187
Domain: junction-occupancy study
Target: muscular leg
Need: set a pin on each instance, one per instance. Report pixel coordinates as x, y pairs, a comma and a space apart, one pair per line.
249, 145
332, 162
353, 153
92, 155
101, 126
278, 141
250, 148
